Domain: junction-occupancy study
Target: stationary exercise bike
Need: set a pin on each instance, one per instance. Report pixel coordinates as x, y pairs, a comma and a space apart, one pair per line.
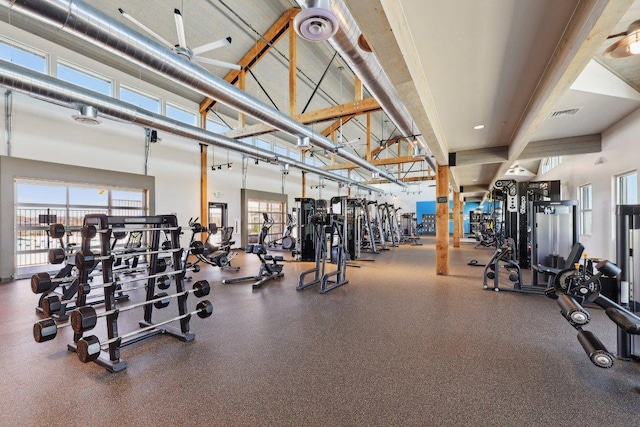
217, 256
269, 267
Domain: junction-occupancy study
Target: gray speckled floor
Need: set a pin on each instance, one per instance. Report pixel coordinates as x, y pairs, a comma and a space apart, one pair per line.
398, 346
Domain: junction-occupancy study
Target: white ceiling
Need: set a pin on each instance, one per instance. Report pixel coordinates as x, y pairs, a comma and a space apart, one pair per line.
490, 62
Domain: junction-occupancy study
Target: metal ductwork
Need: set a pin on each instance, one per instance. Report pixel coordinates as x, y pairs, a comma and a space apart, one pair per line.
87, 115
348, 43
59, 92
79, 19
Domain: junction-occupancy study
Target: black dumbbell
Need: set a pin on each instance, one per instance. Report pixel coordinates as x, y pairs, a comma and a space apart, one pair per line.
87, 288
84, 318
56, 256
89, 348
42, 282
56, 231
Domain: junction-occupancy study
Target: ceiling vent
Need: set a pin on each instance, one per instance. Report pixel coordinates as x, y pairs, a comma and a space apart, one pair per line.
562, 113
316, 23
87, 115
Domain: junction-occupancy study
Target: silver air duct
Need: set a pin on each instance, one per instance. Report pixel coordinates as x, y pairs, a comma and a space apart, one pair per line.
348, 43
79, 19
58, 92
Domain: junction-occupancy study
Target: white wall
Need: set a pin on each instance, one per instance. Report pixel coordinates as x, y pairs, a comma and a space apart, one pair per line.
621, 154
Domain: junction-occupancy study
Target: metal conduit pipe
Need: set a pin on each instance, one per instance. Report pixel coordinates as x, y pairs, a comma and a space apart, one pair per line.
79, 19
62, 93
344, 39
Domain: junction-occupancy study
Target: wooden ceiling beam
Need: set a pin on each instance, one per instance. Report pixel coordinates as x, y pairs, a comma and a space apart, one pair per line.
336, 125
258, 51
376, 162
408, 179
352, 109
388, 143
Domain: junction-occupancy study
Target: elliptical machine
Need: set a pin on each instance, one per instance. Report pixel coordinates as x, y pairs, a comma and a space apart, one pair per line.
268, 270
287, 241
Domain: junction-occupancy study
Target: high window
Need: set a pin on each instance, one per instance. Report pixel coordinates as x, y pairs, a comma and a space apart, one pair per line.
84, 78
550, 163
585, 197
216, 127
140, 99
279, 150
25, 56
261, 143
181, 115
627, 188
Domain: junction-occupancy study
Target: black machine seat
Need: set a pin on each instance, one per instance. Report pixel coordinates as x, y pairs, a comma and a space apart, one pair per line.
259, 249
572, 259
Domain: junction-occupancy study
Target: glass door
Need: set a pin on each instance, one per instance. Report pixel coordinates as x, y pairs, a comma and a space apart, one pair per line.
217, 216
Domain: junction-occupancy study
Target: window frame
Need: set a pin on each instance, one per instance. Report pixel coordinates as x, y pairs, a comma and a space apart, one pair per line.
142, 94
585, 197
28, 50
181, 109
87, 72
622, 189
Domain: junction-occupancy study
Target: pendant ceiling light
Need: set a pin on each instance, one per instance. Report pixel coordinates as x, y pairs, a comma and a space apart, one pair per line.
628, 45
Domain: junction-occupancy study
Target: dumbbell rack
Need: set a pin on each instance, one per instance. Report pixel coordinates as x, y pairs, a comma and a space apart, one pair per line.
153, 227
67, 288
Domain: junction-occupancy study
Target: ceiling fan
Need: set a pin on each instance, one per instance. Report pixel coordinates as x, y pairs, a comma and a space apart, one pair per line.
628, 45
181, 48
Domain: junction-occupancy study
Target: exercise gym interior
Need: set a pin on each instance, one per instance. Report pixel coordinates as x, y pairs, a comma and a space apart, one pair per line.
319, 212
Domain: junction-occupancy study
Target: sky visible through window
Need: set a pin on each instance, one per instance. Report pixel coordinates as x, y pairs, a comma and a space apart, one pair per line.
57, 194
143, 101
83, 79
23, 58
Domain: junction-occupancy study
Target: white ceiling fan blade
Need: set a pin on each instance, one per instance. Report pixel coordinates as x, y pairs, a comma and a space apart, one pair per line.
217, 63
211, 46
141, 25
182, 40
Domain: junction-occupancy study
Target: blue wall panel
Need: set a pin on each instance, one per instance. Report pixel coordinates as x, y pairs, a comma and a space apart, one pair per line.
430, 208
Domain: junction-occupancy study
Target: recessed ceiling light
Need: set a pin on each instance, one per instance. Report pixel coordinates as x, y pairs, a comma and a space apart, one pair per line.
474, 180
478, 127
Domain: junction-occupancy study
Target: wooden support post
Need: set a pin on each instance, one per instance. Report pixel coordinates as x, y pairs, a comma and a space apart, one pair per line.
369, 157
204, 201
457, 219
358, 89
442, 221
292, 69
241, 85
304, 184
